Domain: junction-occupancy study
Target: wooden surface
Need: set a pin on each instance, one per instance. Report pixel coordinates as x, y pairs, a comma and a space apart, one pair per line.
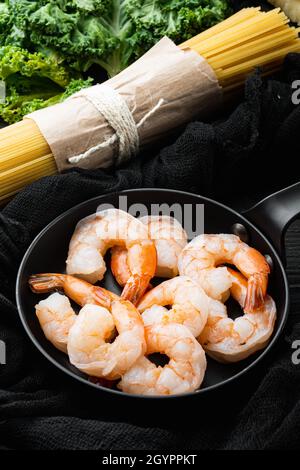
293, 267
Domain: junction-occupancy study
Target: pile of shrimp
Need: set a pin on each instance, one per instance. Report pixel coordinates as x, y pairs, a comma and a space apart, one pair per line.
111, 337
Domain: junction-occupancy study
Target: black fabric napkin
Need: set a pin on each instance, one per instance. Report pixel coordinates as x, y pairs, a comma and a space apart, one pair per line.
251, 151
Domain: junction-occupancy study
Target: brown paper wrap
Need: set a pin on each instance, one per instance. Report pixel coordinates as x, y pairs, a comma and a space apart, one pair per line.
181, 80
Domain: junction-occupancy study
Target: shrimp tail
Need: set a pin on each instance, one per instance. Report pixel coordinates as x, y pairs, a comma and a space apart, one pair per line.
103, 297
256, 291
135, 288
76, 289
47, 282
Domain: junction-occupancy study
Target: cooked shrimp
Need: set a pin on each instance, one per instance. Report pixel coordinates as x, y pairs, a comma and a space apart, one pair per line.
184, 372
56, 317
188, 301
169, 237
89, 348
77, 289
119, 265
230, 340
95, 234
201, 256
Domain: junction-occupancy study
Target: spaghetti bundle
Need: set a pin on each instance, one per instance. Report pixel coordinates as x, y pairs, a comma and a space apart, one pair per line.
227, 52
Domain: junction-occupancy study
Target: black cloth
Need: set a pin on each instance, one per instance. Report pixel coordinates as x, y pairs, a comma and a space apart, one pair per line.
251, 151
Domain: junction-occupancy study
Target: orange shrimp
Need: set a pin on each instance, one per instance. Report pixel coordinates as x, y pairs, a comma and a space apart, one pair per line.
82, 292
90, 346
169, 238
230, 340
202, 256
96, 234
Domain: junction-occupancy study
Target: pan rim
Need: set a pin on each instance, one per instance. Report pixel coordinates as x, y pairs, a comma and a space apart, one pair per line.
118, 393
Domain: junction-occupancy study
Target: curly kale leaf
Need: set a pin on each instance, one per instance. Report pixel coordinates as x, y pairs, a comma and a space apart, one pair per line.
16, 60
177, 19
33, 81
5, 22
17, 104
111, 33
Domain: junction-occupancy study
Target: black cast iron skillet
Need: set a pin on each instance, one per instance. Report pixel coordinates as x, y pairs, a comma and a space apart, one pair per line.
48, 252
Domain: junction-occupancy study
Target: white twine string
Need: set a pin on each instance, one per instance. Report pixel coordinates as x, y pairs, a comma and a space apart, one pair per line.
152, 111
115, 110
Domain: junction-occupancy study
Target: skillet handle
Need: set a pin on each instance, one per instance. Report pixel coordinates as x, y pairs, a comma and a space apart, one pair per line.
274, 214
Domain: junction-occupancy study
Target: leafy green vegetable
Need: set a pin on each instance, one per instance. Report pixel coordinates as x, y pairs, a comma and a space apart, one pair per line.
33, 81
111, 33
177, 19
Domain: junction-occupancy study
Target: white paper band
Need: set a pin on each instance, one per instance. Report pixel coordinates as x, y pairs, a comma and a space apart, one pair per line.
103, 125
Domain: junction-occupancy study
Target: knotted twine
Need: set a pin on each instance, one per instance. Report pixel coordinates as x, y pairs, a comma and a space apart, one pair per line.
114, 109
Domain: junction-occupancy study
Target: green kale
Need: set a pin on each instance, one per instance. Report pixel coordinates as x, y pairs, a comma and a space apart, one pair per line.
111, 33
33, 81
178, 19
